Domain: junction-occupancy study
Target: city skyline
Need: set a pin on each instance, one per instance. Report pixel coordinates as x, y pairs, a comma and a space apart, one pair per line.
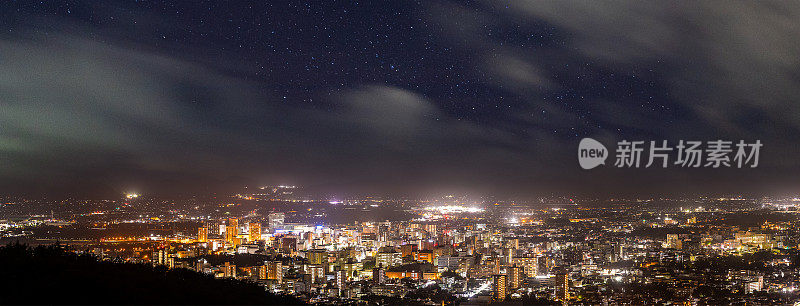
696, 250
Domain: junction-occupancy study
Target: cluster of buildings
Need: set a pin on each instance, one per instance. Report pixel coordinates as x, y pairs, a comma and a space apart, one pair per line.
636, 253
558, 255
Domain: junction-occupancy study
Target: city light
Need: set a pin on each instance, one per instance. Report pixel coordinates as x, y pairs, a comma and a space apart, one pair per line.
454, 209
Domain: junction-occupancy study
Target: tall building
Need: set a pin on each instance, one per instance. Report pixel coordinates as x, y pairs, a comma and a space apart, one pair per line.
619, 253
508, 256
756, 284
262, 272
202, 234
378, 275
275, 221
229, 270
427, 244
449, 262
515, 277
255, 232
230, 235
431, 229
233, 222
159, 257
388, 259
408, 250
308, 239
317, 274
275, 271
341, 279
316, 256
512, 243
289, 245
351, 268
499, 288
530, 265
213, 227
562, 286
673, 241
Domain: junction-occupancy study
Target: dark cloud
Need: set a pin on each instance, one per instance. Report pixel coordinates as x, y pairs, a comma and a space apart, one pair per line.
81, 112
678, 70
723, 61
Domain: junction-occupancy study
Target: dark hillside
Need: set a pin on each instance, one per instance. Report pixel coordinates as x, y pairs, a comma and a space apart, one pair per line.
51, 275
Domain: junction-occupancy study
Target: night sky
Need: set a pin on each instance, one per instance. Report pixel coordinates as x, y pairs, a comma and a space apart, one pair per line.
484, 97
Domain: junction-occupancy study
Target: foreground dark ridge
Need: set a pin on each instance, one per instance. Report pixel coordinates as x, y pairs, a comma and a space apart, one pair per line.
51, 275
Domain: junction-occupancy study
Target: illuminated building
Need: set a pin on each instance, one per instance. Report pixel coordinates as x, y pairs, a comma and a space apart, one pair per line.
448, 262
275, 221
755, 285
444, 250
159, 257
562, 286
230, 235
305, 283
388, 259
428, 244
619, 253
404, 274
202, 234
200, 265
275, 270
499, 288
512, 243
426, 255
379, 275
308, 239
515, 276
317, 274
673, 241
255, 232
351, 268
341, 279
229, 270
431, 229
754, 240
317, 256
530, 265
289, 245
508, 256
262, 272
389, 290
233, 222
408, 250
251, 248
